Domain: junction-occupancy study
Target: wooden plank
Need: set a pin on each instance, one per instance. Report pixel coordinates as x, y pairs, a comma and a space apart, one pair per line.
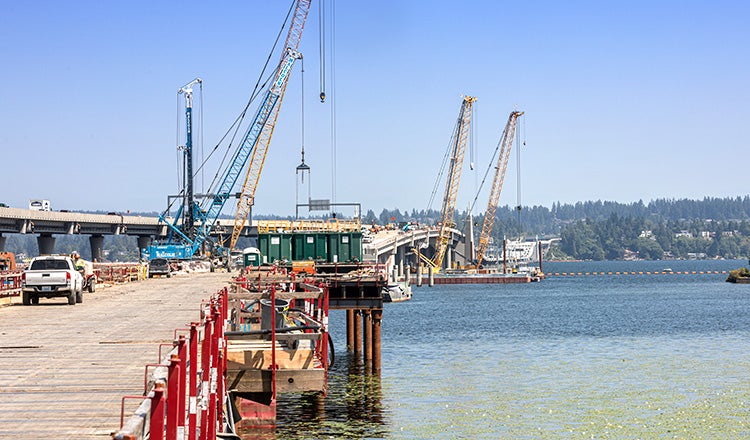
287, 381
64, 369
250, 356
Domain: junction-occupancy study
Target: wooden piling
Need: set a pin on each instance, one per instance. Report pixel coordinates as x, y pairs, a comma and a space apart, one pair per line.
350, 330
377, 317
367, 315
357, 331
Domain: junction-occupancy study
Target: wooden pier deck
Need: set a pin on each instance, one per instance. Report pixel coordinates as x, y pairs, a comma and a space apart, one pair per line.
64, 369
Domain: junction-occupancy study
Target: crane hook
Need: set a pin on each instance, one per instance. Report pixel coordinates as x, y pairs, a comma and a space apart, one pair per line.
322, 96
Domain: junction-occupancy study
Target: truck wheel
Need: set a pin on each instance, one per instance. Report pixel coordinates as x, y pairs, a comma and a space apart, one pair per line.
25, 296
72, 298
92, 285
79, 296
35, 299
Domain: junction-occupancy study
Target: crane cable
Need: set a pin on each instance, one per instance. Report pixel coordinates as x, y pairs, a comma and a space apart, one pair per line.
302, 76
240, 118
322, 43
446, 158
518, 174
487, 172
333, 101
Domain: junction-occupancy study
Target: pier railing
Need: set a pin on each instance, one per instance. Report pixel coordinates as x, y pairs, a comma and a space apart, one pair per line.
119, 272
10, 284
184, 393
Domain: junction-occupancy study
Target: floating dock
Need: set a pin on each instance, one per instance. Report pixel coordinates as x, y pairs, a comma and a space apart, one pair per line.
491, 278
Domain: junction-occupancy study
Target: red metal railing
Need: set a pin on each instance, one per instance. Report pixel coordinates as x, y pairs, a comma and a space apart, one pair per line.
10, 284
119, 272
171, 407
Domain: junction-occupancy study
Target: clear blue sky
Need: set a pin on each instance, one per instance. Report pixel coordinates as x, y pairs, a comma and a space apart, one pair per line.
624, 101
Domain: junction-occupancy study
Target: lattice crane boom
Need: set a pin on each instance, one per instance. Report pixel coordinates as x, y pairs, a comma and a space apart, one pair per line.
263, 139
459, 140
506, 142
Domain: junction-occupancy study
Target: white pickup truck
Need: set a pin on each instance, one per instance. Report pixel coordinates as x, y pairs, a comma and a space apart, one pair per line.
52, 276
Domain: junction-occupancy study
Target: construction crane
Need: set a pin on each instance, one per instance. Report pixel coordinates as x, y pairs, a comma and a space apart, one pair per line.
458, 143
255, 142
506, 141
247, 194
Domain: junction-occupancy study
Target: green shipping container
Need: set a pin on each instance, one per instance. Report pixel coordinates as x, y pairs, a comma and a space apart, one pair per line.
307, 246
344, 247
275, 247
321, 246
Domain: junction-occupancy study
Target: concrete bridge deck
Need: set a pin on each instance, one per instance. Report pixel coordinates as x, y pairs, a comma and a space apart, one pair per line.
64, 369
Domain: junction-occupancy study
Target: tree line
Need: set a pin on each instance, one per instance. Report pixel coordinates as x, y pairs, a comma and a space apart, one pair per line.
592, 230
598, 230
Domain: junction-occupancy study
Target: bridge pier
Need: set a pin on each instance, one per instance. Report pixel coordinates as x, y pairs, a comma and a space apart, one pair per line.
97, 243
46, 244
143, 243
2, 242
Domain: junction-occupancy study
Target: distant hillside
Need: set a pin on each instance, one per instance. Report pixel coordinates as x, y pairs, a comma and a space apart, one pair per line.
593, 230
663, 228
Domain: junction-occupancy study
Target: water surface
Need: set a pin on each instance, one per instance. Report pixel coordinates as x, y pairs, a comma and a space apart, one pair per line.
629, 356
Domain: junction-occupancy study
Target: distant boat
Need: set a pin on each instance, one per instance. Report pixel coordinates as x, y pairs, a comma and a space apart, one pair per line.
396, 292
518, 252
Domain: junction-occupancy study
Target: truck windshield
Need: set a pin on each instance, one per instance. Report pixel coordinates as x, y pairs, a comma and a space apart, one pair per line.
49, 265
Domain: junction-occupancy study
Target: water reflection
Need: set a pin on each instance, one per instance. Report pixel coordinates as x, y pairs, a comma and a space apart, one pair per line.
352, 409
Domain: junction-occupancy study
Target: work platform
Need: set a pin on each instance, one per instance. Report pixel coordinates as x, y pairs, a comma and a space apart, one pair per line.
64, 369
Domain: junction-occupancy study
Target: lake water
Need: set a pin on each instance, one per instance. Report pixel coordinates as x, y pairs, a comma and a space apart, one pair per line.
629, 356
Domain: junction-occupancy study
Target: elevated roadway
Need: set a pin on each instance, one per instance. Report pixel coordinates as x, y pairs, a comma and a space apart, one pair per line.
393, 248
46, 224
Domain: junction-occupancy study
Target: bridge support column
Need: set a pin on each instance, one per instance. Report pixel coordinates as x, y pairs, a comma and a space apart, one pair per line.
401, 258
97, 243
419, 275
46, 244
2, 242
449, 258
143, 243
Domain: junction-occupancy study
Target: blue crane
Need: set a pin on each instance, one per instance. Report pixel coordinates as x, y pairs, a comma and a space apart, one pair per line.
191, 235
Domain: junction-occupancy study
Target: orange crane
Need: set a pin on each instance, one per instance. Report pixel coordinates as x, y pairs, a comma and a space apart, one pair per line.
258, 158
447, 211
506, 141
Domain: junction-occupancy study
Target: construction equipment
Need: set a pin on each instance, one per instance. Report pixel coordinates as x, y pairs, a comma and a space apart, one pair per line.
7, 262
458, 143
506, 141
263, 139
191, 235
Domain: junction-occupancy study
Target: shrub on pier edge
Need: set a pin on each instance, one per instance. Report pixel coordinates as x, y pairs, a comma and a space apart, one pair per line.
740, 275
